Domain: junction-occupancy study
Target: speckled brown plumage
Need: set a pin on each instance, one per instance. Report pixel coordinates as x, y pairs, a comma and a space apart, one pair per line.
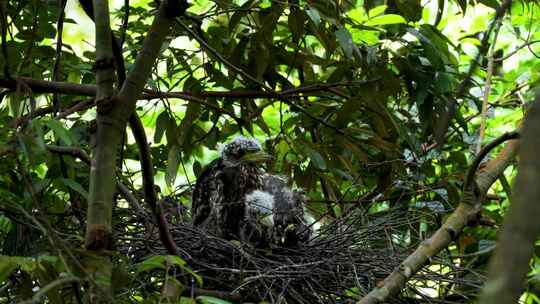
218, 202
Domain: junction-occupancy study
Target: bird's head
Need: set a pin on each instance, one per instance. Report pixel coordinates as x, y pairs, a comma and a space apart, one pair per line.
243, 149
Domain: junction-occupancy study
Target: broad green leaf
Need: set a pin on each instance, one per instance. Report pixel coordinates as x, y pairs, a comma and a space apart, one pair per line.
463, 5
155, 262
262, 58
211, 300
75, 186
37, 127
316, 158
7, 266
434, 55
161, 125
186, 300
314, 16
345, 41
386, 19
60, 131
197, 168
410, 9
296, 23
173, 161
370, 37
376, 11
171, 290
238, 15
494, 4
178, 261
175, 260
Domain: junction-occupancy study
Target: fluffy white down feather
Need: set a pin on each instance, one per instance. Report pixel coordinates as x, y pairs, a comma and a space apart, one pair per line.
261, 204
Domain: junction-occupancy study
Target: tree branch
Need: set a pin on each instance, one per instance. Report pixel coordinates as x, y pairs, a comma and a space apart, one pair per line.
102, 173
464, 85
148, 184
509, 266
67, 88
466, 211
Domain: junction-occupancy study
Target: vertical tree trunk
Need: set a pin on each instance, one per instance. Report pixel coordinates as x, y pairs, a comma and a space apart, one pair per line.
510, 264
102, 171
113, 114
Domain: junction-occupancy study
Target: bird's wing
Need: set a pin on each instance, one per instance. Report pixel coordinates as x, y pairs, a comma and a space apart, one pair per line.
208, 189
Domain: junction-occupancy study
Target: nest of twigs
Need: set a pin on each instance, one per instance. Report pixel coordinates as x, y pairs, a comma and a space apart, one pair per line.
342, 261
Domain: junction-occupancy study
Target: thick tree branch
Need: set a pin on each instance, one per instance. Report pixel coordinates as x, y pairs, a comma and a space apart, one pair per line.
466, 211
510, 264
43, 86
72, 151
140, 138
102, 173
67, 88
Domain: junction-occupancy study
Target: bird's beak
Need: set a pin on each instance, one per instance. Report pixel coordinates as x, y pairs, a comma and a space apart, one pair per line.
257, 157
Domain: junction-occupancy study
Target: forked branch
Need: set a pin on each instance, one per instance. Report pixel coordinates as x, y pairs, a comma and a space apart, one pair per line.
466, 211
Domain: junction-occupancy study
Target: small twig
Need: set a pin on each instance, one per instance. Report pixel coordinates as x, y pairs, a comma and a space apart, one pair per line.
517, 49
125, 24
240, 71
462, 89
3, 12
487, 90
58, 56
37, 298
469, 180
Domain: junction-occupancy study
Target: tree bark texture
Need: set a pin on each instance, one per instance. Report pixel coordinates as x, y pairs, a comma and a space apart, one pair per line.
510, 264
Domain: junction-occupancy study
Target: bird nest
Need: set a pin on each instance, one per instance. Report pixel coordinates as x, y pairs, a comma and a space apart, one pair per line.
342, 261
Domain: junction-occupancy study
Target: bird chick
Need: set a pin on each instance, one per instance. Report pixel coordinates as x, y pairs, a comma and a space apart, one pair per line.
218, 202
258, 219
289, 225
242, 149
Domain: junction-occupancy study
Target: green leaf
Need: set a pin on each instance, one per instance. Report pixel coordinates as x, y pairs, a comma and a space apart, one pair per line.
178, 261
155, 262
238, 15
345, 41
197, 168
175, 260
211, 300
315, 157
433, 53
37, 127
296, 23
75, 186
7, 266
262, 54
161, 125
463, 5
376, 11
171, 290
173, 161
410, 9
314, 16
186, 300
494, 4
60, 131
386, 19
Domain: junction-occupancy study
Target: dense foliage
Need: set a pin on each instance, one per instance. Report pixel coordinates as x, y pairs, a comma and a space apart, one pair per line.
366, 105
